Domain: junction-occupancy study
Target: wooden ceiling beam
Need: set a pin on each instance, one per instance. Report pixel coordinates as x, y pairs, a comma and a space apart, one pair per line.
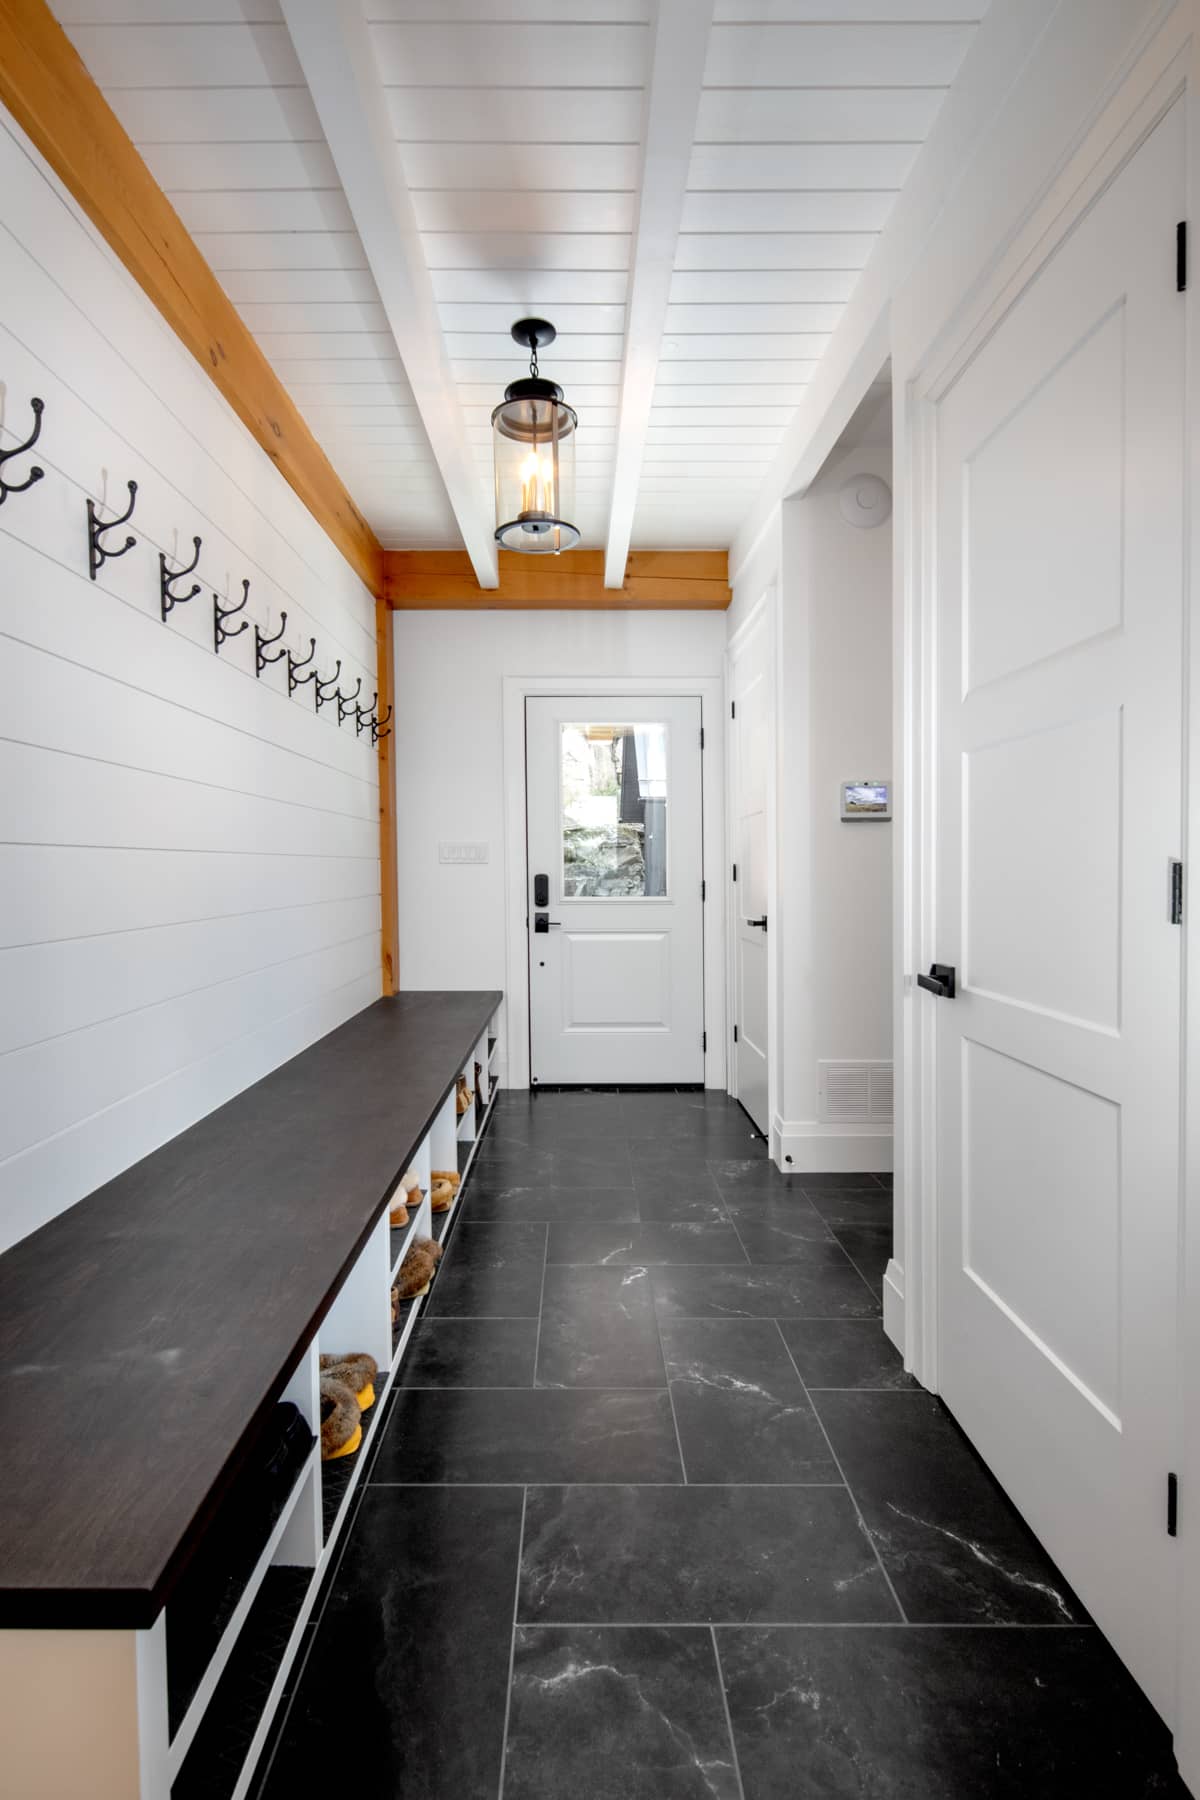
654, 580
50, 94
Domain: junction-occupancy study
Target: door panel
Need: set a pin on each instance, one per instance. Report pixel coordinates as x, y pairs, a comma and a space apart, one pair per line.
749, 730
616, 981
1060, 514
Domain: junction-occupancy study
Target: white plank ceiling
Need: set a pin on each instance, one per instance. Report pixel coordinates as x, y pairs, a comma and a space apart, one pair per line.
519, 128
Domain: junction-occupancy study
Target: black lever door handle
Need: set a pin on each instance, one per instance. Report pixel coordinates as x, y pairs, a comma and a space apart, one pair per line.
940, 980
759, 924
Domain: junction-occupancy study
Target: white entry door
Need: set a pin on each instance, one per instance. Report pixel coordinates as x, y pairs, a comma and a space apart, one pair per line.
615, 867
749, 731
1060, 501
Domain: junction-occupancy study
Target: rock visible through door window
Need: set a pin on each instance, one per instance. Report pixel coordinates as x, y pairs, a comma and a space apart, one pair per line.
614, 811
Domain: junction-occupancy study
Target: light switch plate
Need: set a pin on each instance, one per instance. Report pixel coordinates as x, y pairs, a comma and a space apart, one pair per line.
462, 853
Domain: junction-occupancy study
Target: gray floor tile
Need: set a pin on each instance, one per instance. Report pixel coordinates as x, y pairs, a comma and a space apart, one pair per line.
599, 1330
824, 1285
612, 1714
475, 1353
845, 1353
528, 1435
690, 1241
697, 1555
740, 1407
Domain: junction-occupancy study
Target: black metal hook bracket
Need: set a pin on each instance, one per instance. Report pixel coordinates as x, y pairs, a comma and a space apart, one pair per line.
327, 681
221, 613
364, 716
261, 659
348, 703
97, 554
294, 663
168, 599
37, 407
378, 726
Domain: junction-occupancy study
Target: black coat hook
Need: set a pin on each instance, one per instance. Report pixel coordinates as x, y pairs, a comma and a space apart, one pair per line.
97, 554
261, 659
36, 407
347, 703
327, 681
294, 680
221, 613
167, 597
377, 727
364, 716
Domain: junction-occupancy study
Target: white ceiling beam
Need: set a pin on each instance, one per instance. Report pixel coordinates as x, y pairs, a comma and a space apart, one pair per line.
680, 48
333, 43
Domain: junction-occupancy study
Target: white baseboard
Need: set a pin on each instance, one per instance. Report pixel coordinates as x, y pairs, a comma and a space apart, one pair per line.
809, 1147
893, 1304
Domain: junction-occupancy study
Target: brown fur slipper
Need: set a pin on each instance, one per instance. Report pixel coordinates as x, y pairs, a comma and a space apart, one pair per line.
398, 1214
416, 1270
462, 1097
341, 1420
479, 1087
449, 1175
357, 1372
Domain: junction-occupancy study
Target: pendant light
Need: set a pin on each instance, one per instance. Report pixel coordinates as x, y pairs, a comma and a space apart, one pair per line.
533, 434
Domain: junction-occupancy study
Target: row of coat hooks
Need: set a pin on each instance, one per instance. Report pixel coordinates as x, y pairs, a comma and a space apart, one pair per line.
326, 688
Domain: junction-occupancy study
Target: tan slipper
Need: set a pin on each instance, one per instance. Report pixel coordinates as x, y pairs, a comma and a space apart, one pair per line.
416, 1271
398, 1214
341, 1420
463, 1098
441, 1197
450, 1175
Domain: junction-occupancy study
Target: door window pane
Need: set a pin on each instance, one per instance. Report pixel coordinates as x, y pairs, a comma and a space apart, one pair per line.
614, 811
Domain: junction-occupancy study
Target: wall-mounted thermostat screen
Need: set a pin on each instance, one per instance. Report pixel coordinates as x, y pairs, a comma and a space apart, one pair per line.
866, 799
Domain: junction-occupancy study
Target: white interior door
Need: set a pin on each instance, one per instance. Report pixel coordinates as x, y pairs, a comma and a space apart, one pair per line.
749, 728
615, 871
1060, 498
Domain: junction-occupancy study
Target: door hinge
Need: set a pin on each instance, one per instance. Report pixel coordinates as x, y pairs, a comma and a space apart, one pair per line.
1176, 892
702, 737
704, 1041
704, 890
733, 709
1181, 257
1172, 1505
735, 871
735, 1035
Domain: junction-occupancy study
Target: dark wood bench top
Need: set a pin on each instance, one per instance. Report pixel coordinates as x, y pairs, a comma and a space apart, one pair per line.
146, 1333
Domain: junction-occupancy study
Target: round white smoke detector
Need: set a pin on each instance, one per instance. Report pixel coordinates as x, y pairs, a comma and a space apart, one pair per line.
865, 500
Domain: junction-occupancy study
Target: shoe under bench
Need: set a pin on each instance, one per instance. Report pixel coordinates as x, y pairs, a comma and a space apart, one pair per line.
147, 1335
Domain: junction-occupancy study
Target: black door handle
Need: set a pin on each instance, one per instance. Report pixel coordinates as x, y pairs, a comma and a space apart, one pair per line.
940, 980
759, 924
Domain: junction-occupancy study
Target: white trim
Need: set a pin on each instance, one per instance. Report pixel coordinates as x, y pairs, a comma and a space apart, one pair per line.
711, 692
893, 1303
807, 1146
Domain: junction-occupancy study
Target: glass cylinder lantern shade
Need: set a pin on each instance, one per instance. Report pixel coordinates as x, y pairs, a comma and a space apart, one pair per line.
533, 435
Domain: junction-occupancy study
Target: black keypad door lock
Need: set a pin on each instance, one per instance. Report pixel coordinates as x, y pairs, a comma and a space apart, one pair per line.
541, 890
541, 922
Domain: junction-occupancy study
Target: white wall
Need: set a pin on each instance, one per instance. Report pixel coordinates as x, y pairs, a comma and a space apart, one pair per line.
189, 886
450, 672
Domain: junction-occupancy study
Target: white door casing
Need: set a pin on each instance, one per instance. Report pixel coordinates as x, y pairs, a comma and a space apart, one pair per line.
749, 740
616, 984
1059, 495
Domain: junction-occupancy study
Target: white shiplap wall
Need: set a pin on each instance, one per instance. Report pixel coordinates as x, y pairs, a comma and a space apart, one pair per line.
189, 876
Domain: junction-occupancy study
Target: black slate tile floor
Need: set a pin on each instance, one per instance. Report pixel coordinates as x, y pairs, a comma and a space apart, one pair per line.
655, 1511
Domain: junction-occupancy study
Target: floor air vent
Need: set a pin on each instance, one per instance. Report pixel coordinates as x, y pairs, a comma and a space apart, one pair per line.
854, 1092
